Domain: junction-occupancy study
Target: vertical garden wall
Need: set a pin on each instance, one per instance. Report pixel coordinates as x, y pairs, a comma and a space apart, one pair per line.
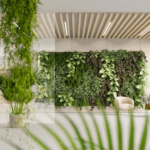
83, 77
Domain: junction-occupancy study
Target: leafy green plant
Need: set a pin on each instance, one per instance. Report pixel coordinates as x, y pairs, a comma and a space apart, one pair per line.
66, 99
17, 46
137, 87
77, 59
95, 54
46, 75
108, 70
103, 75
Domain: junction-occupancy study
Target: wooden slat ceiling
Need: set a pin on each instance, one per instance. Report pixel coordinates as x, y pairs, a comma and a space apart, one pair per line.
93, 25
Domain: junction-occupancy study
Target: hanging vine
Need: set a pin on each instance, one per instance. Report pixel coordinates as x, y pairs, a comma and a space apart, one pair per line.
19, 18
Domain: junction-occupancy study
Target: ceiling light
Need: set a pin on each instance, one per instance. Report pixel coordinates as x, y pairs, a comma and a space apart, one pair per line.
16, 24
107, 28
144, 31
66, 28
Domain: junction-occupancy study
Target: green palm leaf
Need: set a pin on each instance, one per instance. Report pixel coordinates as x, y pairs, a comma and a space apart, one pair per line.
120, 146
79, 137
13, 145
67, 134
101, 147
88, 132
144, 136
107, 125
131, 139
81, 144
56, 137
37, 140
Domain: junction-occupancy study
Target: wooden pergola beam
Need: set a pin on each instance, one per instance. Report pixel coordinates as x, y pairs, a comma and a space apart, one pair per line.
89, 26
132, 26
84, 25
100, 25
121, 25
43, 18
95, 23
56, 24
51, 24
79, 25
62, 24
73, 25
116, 25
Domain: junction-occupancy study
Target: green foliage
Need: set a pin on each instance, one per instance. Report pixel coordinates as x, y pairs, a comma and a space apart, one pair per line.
46, 76
77, 59
95, 54
67, 99
137, 87
104, 75
108, 70
89, 87
17, 46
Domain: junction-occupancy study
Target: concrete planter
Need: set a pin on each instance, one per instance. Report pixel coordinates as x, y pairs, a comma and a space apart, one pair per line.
17, 120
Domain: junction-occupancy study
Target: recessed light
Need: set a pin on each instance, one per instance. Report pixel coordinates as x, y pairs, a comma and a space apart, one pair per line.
144, 31
66, 28
107, 28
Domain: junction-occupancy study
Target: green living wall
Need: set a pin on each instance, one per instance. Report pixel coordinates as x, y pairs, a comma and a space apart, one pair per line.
83, 77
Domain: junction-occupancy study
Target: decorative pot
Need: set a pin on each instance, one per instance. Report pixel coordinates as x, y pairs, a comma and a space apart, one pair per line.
147, 106
17, 120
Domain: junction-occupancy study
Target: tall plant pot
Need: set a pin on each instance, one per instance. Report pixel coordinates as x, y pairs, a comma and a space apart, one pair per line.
17, 120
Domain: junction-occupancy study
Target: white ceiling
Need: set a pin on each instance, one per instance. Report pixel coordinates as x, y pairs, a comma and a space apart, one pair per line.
95, 6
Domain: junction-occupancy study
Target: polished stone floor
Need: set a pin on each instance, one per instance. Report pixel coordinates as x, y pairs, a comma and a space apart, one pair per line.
20, 138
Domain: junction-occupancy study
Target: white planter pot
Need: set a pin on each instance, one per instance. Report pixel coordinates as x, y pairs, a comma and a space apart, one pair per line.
17, 120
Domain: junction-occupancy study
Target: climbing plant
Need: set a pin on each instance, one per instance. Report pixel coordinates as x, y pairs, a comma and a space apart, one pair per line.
18, 20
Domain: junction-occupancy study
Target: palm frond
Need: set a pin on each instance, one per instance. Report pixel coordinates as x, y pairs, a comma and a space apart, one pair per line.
131, 138
144, 136
77, 141
37, 140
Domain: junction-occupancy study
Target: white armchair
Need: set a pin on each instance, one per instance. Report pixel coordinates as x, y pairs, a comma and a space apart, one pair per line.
124, 103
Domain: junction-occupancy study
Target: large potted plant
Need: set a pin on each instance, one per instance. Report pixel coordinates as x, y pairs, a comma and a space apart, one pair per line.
19, 18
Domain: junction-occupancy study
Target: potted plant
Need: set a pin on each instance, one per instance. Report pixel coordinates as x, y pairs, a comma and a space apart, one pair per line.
146, 99
16, 32
19, 93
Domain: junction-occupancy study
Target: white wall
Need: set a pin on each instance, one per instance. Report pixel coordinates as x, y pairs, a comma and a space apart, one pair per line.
86, 45
44, 44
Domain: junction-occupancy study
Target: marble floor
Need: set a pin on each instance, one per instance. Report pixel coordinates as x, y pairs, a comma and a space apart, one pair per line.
20, 138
